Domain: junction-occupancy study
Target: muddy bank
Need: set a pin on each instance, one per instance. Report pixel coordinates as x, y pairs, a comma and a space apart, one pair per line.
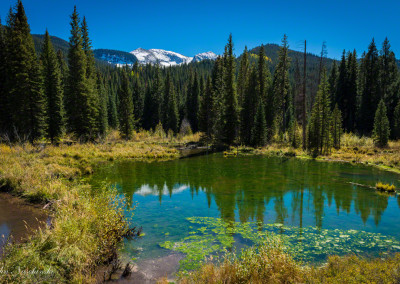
18, 219
144, 272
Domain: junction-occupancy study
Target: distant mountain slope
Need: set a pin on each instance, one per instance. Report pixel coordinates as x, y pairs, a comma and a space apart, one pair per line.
58, 43
115, 57
149, 56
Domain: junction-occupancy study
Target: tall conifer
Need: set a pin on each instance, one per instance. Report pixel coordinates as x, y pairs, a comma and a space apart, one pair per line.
52, 90
125, 107
231, 112
381, 130
24, 80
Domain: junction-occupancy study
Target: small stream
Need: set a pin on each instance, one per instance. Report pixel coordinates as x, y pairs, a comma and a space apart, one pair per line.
14, 212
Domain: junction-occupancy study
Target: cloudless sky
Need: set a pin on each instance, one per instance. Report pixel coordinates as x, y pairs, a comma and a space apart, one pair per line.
191, 26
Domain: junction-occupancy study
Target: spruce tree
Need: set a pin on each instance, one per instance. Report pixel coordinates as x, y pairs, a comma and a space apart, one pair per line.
103, 99
352, 92
93, 96
281, 86
370, 93
172, 115
341, 88
206, 105
52, 90
396, 123
319, 134
63, 69
333, 81
112, 108
249, 107
243, 76
389, 90
336, 127
381, 129
5, 118
218, 91
125, 107
138, 99
81, 109
231, 107
24, 80
259, 130
193, 103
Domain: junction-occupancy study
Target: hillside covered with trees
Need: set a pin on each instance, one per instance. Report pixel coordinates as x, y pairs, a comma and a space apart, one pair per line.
261, 96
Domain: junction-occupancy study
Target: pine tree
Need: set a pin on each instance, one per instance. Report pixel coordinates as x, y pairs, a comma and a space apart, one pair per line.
381, 126
52, 90
352, 92
243, 76
336, 127
172, 115
389, 90
281, 86
249, 107
138, 100
259, 130
103, 99
218, 91
193, 103
63, 69
333, 80
341, 89
94, 106
370, 93
5, 118
396, 123
112, 108
231, 111
24, 81
206, 105
125, 110
294, 136
152, 114
82, 110
319, 136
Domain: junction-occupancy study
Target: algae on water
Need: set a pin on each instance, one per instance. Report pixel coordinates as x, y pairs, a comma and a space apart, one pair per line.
213, 237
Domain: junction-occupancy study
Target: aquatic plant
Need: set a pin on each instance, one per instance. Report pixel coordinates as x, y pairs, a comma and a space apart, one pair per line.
213, 237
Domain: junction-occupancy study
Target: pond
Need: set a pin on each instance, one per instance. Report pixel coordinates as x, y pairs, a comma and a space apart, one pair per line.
210, 204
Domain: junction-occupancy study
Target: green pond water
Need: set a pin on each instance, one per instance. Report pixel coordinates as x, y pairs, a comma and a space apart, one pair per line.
208, 205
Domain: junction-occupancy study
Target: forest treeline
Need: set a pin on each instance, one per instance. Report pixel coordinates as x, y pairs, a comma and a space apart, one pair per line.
230, 100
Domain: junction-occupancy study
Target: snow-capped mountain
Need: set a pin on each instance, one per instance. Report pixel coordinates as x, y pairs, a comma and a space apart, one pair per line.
115, 57
146, 56
168, 58
205, 55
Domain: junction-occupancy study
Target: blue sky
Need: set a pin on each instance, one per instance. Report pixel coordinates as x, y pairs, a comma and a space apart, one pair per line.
190, 26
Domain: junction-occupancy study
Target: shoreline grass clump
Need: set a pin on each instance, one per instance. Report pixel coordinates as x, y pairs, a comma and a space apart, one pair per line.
390, 188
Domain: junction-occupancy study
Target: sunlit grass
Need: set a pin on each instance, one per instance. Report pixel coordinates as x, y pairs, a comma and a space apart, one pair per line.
385, 187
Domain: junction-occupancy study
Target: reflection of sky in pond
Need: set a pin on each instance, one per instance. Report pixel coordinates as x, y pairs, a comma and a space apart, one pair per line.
297, 193
4, 234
